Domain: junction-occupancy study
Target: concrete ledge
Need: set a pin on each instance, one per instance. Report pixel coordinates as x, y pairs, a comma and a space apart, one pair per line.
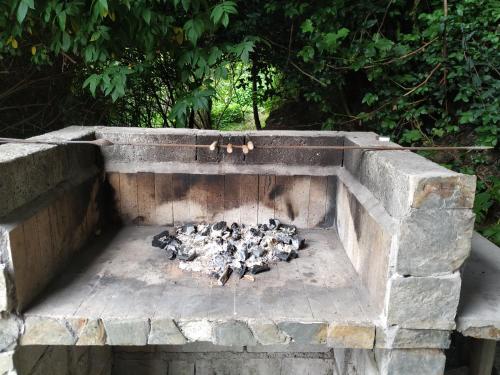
31, 170
395, 337
402, 180
230, 333
479, 310
423, 302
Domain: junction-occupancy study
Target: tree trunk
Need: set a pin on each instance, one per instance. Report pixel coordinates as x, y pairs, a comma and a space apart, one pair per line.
256, 118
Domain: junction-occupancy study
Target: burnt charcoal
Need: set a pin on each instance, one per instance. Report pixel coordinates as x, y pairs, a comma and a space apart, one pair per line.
283, 256
235, 226
174, 241
230, 249
241, 255
283, 238
220, 226
205, 231
257, 233
298, 242
259, 268
171, 253
236, 236
257, 251
289, 229
186, 255
219, 241
188, 229
225, 276
274, 224
240, 271
263, 227
220, 261
215, 275
161, 239
293, 254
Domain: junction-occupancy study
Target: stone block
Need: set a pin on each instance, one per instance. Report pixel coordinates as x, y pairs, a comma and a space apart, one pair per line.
205, 155
180, 368
351, 336
165, 332
355, 362
310, 157
410, 361
395, 337
234, 333
423, 302
261, 366
289, 348
6, 362
126, 331
49, 331
305, 333
401, 179
365, 231
4, 291
91, 332
301, 366
433, 241
267, 333
196, 330
149, 366
10, 328
199, 347
142, 152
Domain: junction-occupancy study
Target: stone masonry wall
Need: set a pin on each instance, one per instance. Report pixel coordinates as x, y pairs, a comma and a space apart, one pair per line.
433, 221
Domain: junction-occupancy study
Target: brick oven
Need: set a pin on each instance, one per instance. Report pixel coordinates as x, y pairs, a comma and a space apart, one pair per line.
374, 292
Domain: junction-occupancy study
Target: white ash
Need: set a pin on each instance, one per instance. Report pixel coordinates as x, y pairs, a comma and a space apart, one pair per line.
213, 248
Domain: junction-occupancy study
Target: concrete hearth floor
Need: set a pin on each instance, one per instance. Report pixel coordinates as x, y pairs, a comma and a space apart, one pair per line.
122, 291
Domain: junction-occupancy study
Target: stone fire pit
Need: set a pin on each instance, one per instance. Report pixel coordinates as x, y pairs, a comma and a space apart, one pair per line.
377, 284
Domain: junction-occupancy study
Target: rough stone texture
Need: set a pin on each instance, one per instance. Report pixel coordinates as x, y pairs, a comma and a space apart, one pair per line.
6, 363
423, 302
233, 333
311, 333
402, 180
144, 153
366, 231
479, 310
355, 362
434, 241
165, 332
4, 294
401, 338
267, 333
60, 360
144, 360
91, 332
126, 331
410, 361
347, 336
48, 331
196, 330
31, 170
10, 327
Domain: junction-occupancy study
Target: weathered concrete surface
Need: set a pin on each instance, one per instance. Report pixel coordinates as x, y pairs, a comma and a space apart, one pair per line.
7, 363
142, 299
62, 360
355, 362
410, 361
274, 155
28, 171
10, 328
37, 239
479, 310
367, 234
163, 361
402, 180
423, 302
395, 337
4, 287
433, 241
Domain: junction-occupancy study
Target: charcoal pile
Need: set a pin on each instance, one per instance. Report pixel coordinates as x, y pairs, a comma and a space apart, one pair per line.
220, 250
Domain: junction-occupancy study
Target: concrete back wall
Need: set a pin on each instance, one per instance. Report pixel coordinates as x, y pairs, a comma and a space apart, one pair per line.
167, 199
